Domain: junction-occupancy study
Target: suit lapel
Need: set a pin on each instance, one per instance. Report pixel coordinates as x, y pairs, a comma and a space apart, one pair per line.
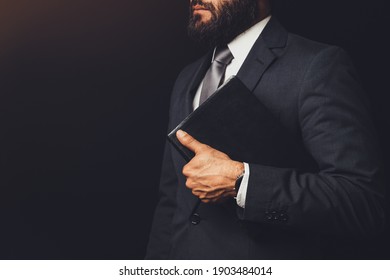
262, 54
255, 65
195, 81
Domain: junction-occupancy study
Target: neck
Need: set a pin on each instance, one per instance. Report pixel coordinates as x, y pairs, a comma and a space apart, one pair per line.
264, 10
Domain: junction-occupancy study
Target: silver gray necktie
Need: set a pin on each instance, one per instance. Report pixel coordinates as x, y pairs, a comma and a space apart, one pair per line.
216, 73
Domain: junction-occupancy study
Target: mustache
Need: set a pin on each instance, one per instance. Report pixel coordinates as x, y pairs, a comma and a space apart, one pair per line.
205, 5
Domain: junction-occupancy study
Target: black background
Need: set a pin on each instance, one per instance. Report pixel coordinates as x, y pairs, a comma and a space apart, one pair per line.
84, 92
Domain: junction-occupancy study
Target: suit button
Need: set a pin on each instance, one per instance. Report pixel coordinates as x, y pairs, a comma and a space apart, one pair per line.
195, 219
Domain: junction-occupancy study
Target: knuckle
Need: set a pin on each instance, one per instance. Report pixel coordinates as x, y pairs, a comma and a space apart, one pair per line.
207, 147
186, 170
189, 183
204, 148
188, 139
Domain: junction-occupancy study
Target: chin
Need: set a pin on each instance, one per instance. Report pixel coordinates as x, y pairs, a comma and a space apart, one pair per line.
204, 17
202, 21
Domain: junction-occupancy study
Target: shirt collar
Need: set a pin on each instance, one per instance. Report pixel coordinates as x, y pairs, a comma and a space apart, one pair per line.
242, 44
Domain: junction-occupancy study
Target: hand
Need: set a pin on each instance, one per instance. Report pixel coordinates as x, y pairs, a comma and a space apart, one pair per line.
211, 174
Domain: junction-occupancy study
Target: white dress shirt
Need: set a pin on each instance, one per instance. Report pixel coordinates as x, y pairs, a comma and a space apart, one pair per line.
240, 48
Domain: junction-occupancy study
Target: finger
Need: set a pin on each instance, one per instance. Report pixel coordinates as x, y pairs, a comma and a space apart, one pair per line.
192, 184
204, 193
198, 193
189, 142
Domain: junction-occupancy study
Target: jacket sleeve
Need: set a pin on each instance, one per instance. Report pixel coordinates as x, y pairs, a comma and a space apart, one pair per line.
345, 196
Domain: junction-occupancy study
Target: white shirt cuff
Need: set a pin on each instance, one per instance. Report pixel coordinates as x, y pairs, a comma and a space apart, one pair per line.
241, 195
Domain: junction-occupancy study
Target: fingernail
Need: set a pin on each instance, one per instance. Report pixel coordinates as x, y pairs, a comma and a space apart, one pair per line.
180, 133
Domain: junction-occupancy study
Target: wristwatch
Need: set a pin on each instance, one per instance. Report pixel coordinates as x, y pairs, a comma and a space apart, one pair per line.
238, 182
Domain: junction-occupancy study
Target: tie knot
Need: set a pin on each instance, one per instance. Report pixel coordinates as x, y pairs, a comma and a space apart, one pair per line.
223, 55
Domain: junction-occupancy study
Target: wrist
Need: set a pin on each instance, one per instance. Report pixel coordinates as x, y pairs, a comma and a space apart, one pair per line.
239, 169
240, 175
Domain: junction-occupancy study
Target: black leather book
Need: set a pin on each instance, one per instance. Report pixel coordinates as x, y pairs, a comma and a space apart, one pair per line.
235, 122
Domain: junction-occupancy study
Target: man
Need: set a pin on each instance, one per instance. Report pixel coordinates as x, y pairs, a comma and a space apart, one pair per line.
250, 211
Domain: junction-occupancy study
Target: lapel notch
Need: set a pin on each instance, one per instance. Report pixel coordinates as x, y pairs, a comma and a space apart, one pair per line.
261, 55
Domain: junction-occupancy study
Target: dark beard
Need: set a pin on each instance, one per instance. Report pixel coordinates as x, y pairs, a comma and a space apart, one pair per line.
232, 19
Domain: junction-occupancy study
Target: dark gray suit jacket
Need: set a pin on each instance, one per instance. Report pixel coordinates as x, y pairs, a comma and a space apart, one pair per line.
311, 211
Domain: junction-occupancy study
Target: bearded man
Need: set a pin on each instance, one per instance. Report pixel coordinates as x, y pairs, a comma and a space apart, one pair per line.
251, 211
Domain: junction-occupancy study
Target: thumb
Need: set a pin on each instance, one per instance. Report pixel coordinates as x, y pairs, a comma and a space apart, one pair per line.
188, 141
